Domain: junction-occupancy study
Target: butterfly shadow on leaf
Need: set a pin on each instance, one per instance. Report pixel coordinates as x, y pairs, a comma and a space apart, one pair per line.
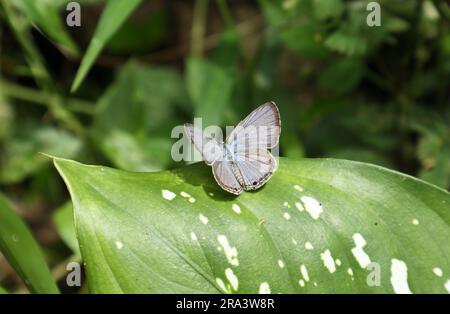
199, 174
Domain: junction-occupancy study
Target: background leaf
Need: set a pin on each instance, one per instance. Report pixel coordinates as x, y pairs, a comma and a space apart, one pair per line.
314, 227
63, 221
20, 154
46, 16
22, 252
210, 88
113, 16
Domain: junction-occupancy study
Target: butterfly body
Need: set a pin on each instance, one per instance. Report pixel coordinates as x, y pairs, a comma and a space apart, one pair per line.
243, 161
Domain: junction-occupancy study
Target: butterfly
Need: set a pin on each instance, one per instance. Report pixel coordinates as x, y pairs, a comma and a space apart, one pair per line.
242, 162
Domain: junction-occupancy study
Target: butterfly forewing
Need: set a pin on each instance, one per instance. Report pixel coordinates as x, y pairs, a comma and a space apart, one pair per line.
261, 128
210, 149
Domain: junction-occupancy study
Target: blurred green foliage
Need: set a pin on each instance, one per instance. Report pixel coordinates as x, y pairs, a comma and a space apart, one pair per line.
344, 89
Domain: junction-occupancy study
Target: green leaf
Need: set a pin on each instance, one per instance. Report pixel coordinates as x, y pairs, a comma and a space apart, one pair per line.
328, 9
45, 15
134, 137
3, 291
22, 252
141, 34
137, 154
113, 16
63, 221
342, 75
20, 155
346, 43
306, 40
178, 232
210, 87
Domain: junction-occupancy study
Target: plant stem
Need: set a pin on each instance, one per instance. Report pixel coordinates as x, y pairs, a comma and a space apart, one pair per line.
198, 27
19, 26
226, 14
37, 97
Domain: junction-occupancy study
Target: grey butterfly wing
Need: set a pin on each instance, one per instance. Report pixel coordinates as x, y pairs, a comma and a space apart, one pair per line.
210, 149
250, 141
260, 129
224, 175
255, 168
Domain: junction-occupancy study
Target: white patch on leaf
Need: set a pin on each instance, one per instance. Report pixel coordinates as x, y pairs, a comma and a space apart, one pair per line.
232, 278
304, 272
168, 195
299, 206
309, 246
437, 271
203, 219
399, 277
184, 194
328, 261
222, 286
236, 208
230, 252
358, 251
312, 206
447, 285
264, 288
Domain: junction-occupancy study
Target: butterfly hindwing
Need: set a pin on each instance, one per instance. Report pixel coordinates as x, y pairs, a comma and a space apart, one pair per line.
224, 174
255, 168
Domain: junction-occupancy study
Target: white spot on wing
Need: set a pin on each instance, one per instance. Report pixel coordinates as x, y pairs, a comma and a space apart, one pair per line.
168, 195
358, 251
399, 277
328, 261
312, 206
264, 288
230, 252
